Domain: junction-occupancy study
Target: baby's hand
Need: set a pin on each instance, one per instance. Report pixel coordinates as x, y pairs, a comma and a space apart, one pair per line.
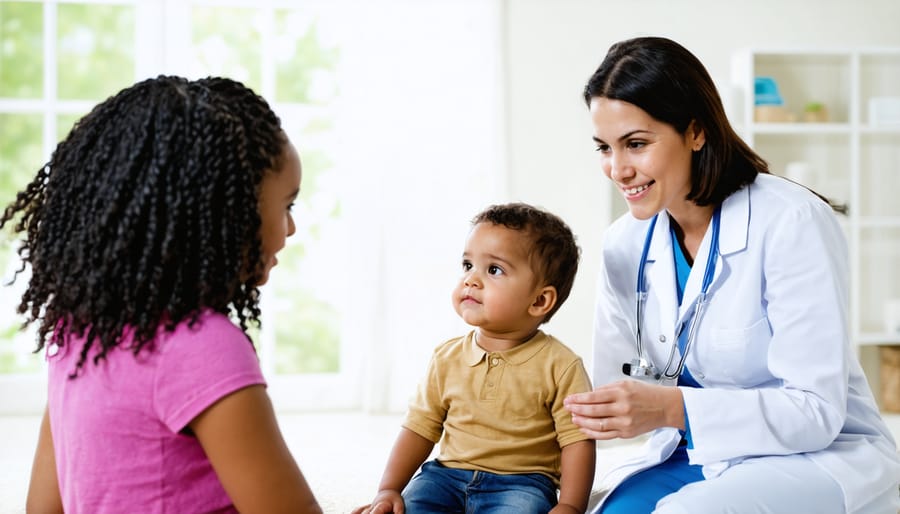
385, 502
562, 508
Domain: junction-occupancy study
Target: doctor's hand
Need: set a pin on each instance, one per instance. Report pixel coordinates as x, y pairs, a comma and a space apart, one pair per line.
626, 409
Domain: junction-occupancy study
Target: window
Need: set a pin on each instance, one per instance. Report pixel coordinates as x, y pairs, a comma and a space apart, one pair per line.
393, 108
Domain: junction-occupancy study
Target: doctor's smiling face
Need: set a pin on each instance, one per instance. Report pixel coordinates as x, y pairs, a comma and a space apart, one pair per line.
647, 159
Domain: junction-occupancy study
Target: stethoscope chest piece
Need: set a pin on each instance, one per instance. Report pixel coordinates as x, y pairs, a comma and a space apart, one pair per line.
641, 368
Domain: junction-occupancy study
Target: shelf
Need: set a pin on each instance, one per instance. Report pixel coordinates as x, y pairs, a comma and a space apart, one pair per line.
878, 339
800, 128
880, 129
848, 159
879, 222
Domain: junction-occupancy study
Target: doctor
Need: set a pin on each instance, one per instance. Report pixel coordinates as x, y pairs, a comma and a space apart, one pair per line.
721, 325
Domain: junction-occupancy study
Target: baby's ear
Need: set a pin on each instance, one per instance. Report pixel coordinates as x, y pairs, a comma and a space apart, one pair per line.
543, 302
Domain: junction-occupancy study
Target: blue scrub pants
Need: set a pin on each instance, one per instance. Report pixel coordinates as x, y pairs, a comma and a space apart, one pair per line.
764, 485
438, 488
639, 493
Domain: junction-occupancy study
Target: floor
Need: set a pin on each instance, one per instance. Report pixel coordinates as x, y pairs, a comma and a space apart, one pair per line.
342, 468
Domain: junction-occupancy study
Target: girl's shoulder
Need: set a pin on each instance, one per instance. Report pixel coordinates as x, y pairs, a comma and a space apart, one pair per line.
209, 330
206, 323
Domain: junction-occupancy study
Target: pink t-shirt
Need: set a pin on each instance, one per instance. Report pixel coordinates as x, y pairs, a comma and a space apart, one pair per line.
116, 427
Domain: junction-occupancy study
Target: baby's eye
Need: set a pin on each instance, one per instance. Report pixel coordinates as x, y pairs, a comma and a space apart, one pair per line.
466, 265
495, 270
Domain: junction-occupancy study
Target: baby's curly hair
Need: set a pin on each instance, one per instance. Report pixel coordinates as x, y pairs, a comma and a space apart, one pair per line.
554, 252
146, 214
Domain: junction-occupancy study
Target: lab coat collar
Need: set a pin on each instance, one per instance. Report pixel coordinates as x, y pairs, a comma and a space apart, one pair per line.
735, 222
733, 230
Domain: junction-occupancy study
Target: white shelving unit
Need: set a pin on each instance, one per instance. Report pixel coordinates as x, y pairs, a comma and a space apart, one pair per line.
850, 159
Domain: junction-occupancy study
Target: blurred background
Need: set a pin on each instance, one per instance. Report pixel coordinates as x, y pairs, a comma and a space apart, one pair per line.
410, 116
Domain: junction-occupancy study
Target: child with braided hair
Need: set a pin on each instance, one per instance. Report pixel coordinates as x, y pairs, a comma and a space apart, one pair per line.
148, 233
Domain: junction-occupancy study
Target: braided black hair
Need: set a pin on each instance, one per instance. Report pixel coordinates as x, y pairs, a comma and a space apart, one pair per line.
146, 214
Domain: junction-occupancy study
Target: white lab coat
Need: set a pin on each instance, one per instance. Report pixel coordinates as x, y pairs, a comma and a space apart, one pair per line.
772, 352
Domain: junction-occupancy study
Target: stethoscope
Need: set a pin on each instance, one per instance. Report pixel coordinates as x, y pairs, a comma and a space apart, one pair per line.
642, 367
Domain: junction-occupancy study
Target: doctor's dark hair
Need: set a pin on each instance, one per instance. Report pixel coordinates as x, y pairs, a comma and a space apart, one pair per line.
147, 213
554, 253
671, 85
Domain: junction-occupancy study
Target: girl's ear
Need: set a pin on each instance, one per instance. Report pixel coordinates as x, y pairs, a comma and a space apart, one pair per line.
543, 302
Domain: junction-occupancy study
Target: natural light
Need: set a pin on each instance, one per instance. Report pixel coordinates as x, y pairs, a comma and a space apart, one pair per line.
399, 142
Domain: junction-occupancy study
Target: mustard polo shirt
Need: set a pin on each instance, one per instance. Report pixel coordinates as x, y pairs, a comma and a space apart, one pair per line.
500, 412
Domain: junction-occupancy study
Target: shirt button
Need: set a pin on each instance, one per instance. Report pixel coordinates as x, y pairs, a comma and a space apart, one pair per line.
662, 338
490, 384
495, 361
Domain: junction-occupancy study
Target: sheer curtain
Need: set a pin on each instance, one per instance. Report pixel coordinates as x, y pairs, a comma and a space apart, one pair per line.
422, 152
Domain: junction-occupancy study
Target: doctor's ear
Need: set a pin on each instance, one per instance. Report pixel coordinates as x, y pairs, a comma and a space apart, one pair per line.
543, 302
697, 136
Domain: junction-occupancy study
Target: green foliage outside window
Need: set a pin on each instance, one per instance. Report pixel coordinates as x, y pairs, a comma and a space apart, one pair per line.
20, 155
306, 329
21, 50
95, 50
95, 58
303, 75
228, 42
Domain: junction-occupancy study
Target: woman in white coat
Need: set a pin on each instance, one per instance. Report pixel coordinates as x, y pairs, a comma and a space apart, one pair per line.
738, 359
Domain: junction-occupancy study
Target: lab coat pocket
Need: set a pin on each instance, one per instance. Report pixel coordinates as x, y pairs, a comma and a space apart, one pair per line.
739, 354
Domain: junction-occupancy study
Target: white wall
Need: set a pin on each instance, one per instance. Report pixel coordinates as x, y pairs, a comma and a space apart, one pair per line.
552, 48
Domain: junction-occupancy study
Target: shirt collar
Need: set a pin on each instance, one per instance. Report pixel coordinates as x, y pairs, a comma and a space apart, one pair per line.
474, 354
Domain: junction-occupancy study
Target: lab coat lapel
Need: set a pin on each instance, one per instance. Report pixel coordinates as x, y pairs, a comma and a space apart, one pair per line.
661, 273
733, 230
695, 280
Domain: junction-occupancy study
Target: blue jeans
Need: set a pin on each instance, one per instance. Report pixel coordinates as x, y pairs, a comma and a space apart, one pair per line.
438, 488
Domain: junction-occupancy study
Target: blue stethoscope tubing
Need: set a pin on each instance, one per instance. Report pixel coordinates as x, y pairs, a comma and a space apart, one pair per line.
642, 367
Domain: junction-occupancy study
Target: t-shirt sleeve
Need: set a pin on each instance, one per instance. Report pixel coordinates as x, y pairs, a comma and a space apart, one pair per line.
200, 365
427, 410
573, 380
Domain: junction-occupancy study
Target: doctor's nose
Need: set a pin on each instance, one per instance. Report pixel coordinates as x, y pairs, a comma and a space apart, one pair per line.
618, 168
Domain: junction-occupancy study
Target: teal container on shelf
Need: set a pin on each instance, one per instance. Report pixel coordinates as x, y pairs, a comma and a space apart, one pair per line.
765, 91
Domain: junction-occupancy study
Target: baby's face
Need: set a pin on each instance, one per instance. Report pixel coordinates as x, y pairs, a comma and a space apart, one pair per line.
497, 284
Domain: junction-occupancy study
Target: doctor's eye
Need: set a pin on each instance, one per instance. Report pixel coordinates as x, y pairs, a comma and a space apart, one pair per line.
636, 144
493, 269
602, 148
